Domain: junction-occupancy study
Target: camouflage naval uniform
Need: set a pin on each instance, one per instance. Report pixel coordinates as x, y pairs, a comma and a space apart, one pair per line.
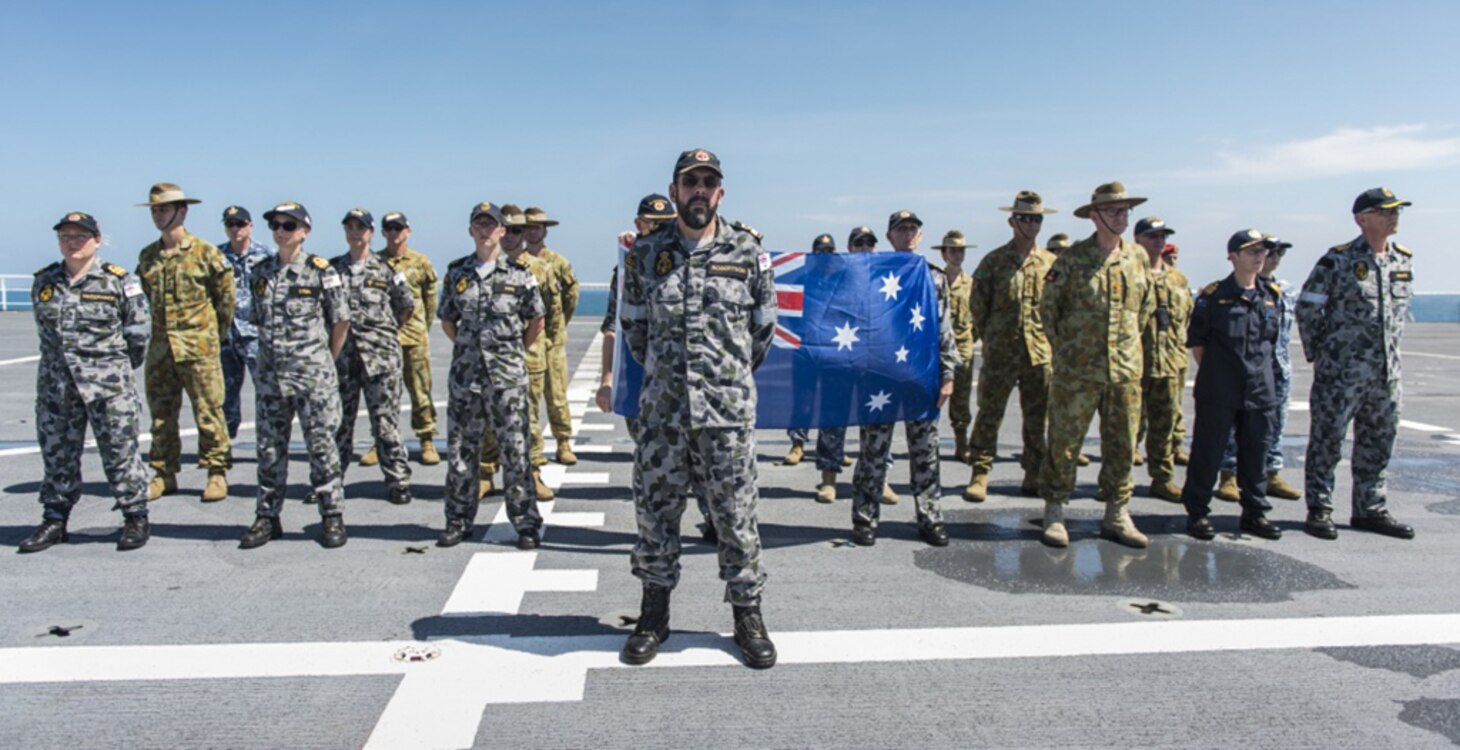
415, 337
239, 349
371, 361
1095, 311
1351, 316
700, 320
870, 473
960, 318
190, 289
295, 307
491, 305
1164, 344
93, 334
556, 346
1005, 308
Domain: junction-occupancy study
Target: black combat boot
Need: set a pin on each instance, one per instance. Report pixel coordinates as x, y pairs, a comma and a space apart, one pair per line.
455, 531
332, 532
755, 644
528, 539
653, 628
259, 534
400, 495
50, 532
135, 533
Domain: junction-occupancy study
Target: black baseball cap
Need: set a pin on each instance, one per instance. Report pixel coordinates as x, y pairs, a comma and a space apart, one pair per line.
83, 220
1245, 239
1153, 224
859, 233
696, 158
395, 218
360, 215
486, 208
898, 217
1379, 197
823, 244
237, 213
655, 207
289, 208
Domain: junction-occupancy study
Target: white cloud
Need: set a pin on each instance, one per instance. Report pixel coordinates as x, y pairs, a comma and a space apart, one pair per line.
1344, 151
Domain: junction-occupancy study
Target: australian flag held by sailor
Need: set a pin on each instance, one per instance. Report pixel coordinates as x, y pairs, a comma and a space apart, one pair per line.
856, 342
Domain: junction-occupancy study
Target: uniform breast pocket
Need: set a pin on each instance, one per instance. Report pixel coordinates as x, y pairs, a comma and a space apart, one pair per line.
729, 298
302, 309
375, 303
669, 289
1401, 283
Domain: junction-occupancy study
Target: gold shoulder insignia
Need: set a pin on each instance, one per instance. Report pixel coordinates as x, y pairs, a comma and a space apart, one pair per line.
319, 262
47, 268
1210, 288
630, 260
1341, 248
522, 261
393, 263
1403, 249
1275, 288
746, 228
114, 269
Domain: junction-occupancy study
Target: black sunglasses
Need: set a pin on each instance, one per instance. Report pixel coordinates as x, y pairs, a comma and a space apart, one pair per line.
865, 243
691, 181
393, 227
235, 224
287, 226
1029, 218
516, 230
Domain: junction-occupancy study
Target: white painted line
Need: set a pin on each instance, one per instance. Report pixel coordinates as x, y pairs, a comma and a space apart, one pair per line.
20, 360
1402, 353
1422, 427
494, 583
592, 448
577, 426
557, 475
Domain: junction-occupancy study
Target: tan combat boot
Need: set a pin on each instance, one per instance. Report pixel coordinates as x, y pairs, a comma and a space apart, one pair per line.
429, 456
888, 496
1181, 457
1030, 485
162, 484
826, 491
1166, 489
1138, 458
846, 460
977, 490
1055, 534
1082, 460
544, 493
484, 485
960, 445
371, 458
1280, 489
794, 455
217, 487
566, 456
1119, 528
1227, 488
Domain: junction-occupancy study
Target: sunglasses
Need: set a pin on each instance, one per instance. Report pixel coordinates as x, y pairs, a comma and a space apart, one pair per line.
1386, 211
287, 226
393, 227
516, 230
1029, 218
691, 181
1115, 211
864, 243
235, 224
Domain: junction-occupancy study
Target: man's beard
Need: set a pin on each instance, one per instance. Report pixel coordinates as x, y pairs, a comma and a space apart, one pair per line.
697, 214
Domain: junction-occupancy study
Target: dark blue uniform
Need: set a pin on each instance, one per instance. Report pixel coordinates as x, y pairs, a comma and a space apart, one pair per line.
1237, 330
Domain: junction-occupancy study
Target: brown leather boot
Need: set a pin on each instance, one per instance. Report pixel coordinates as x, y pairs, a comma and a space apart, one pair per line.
161, 484
371, 458
1054, 533
1166, 489
217, 488
977, 490
826, 491
1227, 488
1280, 489
566, 456
888, 496
1119, 528
544, 493
794, 455
429, 456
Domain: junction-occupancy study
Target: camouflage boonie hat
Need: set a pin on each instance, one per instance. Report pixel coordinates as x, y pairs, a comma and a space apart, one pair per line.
1058, 242
1243, 240
512, 216
360, 215
899, 217
1111, 193
1028, 202
696, 158
656, 207
164, 193
1153, 224
237, 213
289, 208
539, 217
83, 220
823, 244
953, 240
486, 208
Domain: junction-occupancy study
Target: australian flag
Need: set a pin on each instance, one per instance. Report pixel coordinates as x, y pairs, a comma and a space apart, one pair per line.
856, 342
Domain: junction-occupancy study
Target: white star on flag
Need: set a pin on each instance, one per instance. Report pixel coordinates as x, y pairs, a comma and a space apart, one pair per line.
901, 354
879, 400
845, 336
917, 317
890, 286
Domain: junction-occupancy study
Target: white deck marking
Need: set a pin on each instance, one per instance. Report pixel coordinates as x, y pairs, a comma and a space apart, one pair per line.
20, 360
1413, 354
494, 583
1405, 423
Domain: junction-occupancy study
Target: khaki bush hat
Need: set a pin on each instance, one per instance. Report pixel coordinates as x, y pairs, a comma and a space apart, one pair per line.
512, 216
1028, 202
539, 217
953, 240
1111, 193
1058, 242
166, 192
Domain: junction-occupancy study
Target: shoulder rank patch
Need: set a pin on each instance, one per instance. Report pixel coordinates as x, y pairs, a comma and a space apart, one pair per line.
1275, 289
746, 228
461, 285
1210, 288
1326, 262
114, 270
260, 287
1361, 271
46, 293
455, 263
1402, 250
739, 271
1341, 248
319, 262
664, 263
522, 261
40, 271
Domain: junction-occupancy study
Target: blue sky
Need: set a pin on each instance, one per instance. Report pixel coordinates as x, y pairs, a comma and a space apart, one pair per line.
826, 115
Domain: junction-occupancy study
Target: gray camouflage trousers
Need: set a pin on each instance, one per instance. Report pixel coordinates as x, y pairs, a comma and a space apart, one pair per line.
720, 465
469, 414
705, 523
871, 471
382, 400
319, 418
61, 419
1373, 407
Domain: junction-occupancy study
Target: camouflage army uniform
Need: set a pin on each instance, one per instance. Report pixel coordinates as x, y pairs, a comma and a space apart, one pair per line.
371, 361
1351, 316
538, 356
960, 318
190, 289
491, 305
93, 333
870, 473
415, 337
700, 320
555, 345
1095, 311
239, 349
1005, 310
1164, 344
295, 306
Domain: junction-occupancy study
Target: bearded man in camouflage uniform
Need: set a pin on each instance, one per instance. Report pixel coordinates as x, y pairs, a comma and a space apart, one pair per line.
1351, 316
1097, 300
414, 334
93, 323
1164, 343
380, 301
492, 311
1006, 291
190, 287
303, 315
699, 311
554, 389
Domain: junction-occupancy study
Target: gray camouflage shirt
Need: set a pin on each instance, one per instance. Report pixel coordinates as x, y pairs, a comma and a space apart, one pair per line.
491, 305
377, 294
1352, 310
93, 332
295, 306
